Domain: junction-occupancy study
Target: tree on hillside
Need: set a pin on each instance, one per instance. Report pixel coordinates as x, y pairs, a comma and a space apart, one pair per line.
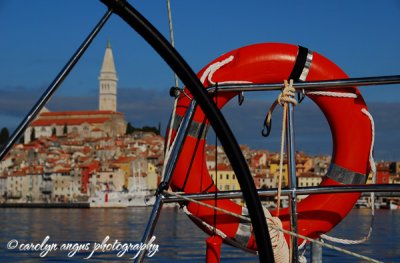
4, 135
150, 129
33, 135
129, 128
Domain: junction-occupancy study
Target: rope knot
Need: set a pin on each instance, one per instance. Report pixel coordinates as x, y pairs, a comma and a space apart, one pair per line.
288, 94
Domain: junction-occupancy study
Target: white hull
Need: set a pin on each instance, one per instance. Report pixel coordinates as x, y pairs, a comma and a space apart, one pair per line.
119, 199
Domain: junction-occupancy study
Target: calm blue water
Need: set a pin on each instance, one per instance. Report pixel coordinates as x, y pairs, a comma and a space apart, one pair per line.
178, 238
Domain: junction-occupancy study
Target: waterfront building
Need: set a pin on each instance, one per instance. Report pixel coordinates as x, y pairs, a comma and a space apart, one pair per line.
265, 181
65, 186
274, 170
111, 179
225, 178
304, 164
153, 180
321, 164
309, 179
25, 185
3, 188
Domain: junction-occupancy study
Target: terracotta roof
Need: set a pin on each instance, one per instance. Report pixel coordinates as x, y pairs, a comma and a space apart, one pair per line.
69, 113
223, 167
49, 122
124, 159
63, 170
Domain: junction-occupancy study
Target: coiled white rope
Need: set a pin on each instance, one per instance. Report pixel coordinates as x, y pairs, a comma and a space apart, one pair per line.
246, 219
278, 241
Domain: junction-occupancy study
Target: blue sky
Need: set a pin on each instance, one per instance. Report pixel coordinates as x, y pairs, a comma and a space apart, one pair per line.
38, 37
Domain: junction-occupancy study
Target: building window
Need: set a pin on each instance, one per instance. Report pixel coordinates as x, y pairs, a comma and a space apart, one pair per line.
111, 176
234, 177
227, 176
227, 187
220, 176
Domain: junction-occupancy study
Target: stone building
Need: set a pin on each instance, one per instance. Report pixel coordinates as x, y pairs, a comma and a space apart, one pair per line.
105, 121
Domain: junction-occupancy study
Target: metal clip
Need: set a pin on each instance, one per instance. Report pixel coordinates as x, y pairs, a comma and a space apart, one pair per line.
163, 186
175, 92
267, 128
240, 98
301, 95
268, 120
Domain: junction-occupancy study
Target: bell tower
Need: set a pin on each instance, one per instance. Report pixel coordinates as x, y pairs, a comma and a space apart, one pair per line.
108, 82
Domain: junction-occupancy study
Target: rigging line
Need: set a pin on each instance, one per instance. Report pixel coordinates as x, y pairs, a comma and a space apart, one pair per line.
168, 146
216, 166
172, 120
171, 35
244, 218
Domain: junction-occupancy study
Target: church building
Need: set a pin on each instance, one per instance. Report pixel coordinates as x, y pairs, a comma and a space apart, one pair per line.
105, 121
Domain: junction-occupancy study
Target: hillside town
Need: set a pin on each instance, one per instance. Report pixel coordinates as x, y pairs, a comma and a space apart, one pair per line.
72, 167
87, 156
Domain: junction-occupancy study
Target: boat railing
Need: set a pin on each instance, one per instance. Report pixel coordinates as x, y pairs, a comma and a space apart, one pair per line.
309, 85
237, 194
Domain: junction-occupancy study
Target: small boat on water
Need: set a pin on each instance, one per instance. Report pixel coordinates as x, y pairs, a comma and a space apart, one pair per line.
119, 198
135, 195
392, 204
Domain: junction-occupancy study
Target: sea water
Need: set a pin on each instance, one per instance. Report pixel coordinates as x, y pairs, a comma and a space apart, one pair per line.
104, 235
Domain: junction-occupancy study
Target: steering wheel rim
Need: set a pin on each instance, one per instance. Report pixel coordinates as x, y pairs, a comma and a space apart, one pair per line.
154, 38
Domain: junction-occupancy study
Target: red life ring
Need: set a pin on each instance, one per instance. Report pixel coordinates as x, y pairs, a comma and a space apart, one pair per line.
351, 132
